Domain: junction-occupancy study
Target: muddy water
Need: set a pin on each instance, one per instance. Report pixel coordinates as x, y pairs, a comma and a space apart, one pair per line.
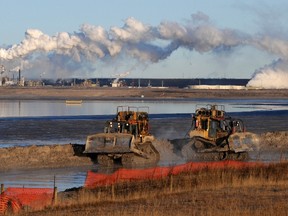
47, 108
41, 131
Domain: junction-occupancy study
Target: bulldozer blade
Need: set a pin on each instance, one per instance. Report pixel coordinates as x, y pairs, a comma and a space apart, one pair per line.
244, 141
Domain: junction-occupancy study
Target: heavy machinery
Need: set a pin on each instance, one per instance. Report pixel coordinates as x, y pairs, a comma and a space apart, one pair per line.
215, 136
126, 139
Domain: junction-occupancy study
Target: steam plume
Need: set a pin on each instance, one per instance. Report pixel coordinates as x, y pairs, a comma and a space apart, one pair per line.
135, 39
273, 76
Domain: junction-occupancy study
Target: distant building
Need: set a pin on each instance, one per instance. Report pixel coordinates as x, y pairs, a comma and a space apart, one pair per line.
34, 83
6, 81
87, 83
238, 87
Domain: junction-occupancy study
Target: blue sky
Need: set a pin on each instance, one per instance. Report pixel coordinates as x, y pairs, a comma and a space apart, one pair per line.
243, 17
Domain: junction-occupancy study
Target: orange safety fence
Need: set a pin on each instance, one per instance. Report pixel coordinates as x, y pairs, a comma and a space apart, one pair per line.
94, 180
8, 204
17, 198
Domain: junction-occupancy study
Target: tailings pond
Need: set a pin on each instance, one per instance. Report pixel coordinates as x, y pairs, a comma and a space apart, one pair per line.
48, 122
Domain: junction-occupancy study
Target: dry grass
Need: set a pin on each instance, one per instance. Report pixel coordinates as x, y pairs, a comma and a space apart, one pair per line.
247, 191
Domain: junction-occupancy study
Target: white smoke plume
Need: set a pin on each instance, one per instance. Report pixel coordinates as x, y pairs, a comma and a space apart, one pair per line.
72, 51
81, 51
273, 76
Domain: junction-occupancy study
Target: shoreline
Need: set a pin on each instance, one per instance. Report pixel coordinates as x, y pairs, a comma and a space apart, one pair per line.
109, 93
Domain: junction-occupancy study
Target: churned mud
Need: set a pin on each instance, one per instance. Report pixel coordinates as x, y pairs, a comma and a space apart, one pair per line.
68, 155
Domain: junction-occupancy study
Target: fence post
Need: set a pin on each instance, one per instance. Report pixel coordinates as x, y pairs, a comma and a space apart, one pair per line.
54, 198
171, 182
2, 188
55, 192
113, 192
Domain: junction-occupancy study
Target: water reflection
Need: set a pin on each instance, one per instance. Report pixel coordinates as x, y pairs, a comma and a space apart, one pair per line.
65, 178
33, 108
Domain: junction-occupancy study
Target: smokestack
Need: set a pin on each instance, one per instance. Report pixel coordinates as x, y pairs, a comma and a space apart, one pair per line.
19, 78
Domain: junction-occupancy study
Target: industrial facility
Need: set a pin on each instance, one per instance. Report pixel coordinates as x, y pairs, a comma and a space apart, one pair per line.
15, 78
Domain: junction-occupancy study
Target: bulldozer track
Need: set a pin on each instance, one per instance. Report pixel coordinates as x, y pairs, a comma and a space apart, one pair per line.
104, 160
217, 156
132, 159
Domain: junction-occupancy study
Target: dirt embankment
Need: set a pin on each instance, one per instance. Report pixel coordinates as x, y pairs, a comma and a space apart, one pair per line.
43, 157
85, 93
68, 155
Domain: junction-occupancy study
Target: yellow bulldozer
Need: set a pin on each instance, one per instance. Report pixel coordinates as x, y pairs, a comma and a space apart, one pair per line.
126, 139
216, 136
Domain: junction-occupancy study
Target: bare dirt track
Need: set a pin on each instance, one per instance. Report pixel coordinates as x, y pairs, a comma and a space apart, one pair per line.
62, 93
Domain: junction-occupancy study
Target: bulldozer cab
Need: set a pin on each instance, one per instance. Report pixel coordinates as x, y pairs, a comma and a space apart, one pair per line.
210, 121
130, 120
